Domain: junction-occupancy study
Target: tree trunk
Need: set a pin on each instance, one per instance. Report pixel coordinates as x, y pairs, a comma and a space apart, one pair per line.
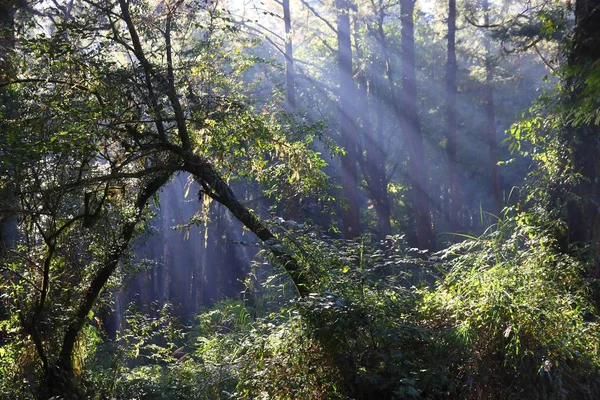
374, 160
215, 187
290, 90
7, 44
8, 10
451, 120
292, 207
60, 379
583, 140
174, 155
411, 126
490, 115
8, 220
347, 93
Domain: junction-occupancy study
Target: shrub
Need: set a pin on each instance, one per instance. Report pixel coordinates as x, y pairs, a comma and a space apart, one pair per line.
519, 314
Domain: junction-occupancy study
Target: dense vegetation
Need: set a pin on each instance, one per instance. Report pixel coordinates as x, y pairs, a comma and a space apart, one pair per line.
299, 199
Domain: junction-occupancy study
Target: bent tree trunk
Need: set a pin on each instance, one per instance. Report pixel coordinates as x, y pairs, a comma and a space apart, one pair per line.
215, 187
205, 173
59, 374
60, 379
59, 371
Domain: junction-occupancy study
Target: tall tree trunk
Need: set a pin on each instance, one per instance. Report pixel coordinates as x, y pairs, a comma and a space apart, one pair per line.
8, 10
347, 94
490, 116
583, 217
292, 206
290, 90
373, 161
451, 119
8, 223
411, 126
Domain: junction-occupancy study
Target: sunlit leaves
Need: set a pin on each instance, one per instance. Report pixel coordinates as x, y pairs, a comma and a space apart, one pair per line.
510, 292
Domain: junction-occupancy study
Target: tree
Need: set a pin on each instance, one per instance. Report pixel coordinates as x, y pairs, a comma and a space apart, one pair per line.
451, 116
347, 95
8, 12
583, 218
411, 128
114, 130
491, 115
290, 90
563, 130
372, 157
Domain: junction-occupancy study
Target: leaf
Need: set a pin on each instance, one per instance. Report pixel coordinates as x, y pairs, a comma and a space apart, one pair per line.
295, 176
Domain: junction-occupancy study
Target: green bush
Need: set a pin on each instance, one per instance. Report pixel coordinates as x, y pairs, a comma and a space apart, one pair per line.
509, 319
518, 313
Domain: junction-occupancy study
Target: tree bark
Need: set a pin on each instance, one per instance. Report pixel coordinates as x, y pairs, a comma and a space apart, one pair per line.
292, 207
290, 90
171, 154
490, 115
451, 120
411, 126
8, 10
583, 217
7, 44
373, 161
215, 187
347, 94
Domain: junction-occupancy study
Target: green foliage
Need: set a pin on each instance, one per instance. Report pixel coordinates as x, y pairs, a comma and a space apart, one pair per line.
519, 313
17, 367
511, 318
358, 339
95, 125
356, 336
280, 360
148, 360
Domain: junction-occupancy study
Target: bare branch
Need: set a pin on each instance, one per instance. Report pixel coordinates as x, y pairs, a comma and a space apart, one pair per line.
316, 14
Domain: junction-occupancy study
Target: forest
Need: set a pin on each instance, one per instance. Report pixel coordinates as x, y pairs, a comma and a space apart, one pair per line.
299, 199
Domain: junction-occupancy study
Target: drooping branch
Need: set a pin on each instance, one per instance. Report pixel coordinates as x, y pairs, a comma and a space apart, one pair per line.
316, 14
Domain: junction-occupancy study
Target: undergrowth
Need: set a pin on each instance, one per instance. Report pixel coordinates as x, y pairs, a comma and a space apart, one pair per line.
500, 316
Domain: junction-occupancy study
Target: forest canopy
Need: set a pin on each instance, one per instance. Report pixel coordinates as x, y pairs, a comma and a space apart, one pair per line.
299, 199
